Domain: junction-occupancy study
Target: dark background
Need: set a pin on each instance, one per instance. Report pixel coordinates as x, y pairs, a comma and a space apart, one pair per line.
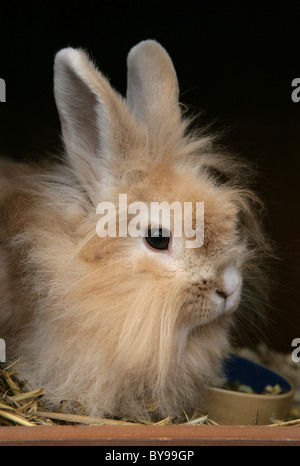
235, 63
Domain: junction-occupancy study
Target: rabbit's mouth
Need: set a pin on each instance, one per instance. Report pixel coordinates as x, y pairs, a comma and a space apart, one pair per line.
207, 302
195, 314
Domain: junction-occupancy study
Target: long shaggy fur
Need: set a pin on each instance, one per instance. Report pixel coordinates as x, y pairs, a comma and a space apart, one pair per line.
105, 321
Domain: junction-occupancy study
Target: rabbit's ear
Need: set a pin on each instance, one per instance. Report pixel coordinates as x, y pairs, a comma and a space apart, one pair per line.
96, 123
152, 87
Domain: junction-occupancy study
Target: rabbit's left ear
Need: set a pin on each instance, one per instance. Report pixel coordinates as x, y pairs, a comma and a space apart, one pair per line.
152, 88
98, 130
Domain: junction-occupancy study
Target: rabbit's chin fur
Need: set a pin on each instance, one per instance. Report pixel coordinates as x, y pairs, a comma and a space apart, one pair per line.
109, 322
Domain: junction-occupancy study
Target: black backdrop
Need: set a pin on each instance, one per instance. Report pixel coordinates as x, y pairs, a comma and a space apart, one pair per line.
236, 63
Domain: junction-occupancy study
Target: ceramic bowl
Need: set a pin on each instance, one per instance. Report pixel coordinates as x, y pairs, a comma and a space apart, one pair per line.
238, 408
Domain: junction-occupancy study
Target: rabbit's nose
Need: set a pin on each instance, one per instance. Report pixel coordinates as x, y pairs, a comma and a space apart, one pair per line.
230, 288
222, 294
231, 280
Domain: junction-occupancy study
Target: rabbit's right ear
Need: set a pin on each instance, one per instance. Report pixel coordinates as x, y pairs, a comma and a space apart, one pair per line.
96, 123
152, 88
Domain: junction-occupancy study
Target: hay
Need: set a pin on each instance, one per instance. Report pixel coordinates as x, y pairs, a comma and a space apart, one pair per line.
19, 406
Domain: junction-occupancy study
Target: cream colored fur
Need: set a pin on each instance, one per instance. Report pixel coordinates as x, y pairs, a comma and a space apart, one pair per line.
106, 321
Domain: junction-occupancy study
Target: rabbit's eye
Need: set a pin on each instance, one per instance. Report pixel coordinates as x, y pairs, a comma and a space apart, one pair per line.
158, 238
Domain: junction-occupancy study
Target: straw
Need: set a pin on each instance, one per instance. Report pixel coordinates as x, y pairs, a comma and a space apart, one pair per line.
19, 406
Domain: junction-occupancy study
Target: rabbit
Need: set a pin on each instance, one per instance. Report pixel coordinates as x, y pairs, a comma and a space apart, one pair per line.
134, 326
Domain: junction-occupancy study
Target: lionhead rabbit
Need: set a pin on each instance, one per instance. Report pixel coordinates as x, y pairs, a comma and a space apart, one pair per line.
132, 325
